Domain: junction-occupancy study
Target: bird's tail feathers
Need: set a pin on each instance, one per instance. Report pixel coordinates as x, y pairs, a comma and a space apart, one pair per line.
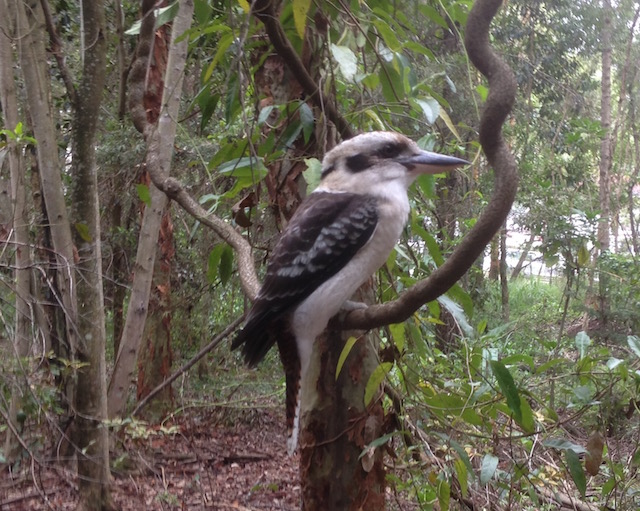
291, 364
255, 340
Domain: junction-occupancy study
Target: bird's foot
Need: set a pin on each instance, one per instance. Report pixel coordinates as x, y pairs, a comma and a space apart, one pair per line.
352, 306
347, 307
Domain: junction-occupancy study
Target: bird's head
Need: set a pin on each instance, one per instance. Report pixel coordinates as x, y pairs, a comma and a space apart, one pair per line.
380, 158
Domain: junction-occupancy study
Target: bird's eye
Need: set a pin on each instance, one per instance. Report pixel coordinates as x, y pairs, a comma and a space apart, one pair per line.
389, 150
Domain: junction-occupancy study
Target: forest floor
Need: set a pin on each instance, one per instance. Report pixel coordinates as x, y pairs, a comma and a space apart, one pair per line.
195, 462
229, 455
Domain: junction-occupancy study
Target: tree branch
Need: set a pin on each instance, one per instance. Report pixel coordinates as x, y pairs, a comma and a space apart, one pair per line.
502, 89
246, 269
214, 342
56, 49
265, 12
157, 169
139, 67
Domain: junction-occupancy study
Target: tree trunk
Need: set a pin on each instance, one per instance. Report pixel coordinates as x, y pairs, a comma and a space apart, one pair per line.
91, 403
504, 281
494, 259
154, 362
336, 427
136, 316
635, 175
30, 31
23, 318
523, 257
160, 143
605, 152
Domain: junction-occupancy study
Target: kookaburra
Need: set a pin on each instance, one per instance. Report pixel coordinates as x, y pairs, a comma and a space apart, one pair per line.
339, 236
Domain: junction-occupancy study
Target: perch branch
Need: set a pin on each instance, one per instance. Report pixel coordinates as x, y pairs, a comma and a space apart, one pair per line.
502, 89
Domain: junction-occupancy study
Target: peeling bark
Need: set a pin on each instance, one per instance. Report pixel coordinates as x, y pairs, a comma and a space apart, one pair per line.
20, 225
160, 139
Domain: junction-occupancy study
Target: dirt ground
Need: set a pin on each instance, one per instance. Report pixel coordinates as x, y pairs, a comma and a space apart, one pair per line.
203, 460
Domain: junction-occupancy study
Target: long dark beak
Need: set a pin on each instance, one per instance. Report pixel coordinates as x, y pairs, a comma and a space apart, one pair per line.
426, 162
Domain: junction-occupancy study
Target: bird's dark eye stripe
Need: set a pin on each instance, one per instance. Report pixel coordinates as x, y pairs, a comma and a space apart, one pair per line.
328, 170
390, 150
358, 162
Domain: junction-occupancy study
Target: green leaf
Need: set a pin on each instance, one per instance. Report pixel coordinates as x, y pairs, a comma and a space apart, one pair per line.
345, 353
459, 449
462, 474
430, 108
398, 335
222, 46
312, 173
447, 120
245, 6
347, 61
562, 444
144, 194
388, 35
609, 485
307, 120
583, 341
202, 11
583, 256
392, 82
488, 468
208, 103
434, 16
291, 133
226, 264
232, 100
551, 363
378, 442
300, 10
527, 423
265, 113
246, 167
418, 48
83, 231
375, 380
519, 358
463, 298
213, 263
444, 494
370, 81
458, 314
614, 362
508, 388
576, 471
633, 341
432, 246
483, 92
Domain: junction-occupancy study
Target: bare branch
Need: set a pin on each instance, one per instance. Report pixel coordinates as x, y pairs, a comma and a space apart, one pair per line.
246, 269
265, 12
214, 342
58, 53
